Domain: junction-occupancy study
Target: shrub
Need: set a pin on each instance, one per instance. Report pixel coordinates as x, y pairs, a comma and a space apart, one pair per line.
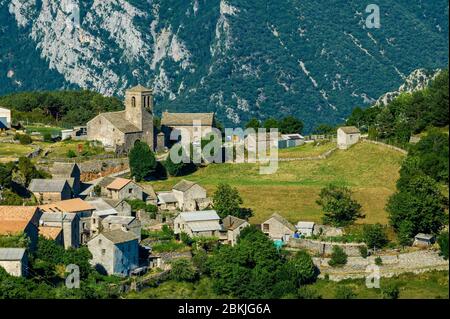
24, 139
344, 292
48, 137
142, 161
338, 257
183, 270
186, 239
443, 244
71, 154
375, 236
390, 291
308, 292
378, 261
339, 207
363, 251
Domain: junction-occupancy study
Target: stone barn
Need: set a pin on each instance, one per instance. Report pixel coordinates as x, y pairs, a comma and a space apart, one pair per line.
347, 136
278, 228
187, 193
14, 261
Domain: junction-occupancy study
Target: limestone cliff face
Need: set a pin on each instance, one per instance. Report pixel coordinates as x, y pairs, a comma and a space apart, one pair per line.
416, 81
239, 58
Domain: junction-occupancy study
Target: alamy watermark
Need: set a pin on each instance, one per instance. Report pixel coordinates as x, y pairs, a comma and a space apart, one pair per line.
201, 144
373, 20
73, 277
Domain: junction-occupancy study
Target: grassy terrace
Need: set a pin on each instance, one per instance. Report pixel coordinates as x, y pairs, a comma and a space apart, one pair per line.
428, 285
370, 170
11, 152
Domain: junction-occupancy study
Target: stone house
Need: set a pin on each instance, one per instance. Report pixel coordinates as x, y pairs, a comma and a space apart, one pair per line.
231, 229
149, 193
128, 223
115, 252
14, 261
423, 240
167, 201
190, 127
198, 224
347, 136
278, 228
305, 228
120, 205
120, 130
48, 191
187, 193
5, 118
117, 188
67, 223
69, 171
78, 207
17, 220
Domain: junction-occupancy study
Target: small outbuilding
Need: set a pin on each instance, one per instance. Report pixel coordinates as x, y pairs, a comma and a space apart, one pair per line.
305, 229
347, 136
278, 228
423, 240
5, 118
14, 261
49, 191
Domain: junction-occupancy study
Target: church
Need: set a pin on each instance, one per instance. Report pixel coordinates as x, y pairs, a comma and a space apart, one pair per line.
118, 131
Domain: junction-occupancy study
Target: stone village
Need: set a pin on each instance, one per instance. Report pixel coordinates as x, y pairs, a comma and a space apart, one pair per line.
98, 214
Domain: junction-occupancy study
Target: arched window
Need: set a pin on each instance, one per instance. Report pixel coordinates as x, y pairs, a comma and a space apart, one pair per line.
133, 101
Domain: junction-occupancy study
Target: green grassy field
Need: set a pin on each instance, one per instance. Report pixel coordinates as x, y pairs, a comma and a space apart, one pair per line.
306, 150
60, 149
430, 285
9, 151
370, 170
44, 129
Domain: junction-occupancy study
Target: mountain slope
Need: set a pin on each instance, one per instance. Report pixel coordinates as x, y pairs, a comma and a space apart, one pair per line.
239, 58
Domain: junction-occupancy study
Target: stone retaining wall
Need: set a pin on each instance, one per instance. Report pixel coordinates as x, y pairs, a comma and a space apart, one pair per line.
392, 265
325, 248
398, 149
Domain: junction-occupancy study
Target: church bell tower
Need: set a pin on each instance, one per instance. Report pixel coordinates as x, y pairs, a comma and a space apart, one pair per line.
139, 111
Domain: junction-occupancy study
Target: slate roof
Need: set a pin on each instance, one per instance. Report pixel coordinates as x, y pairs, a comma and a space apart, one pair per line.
184, 185
232, 222
167, 197
118, 120
186, 119
305, 225
199, 216
119, 236
47, 185
283, 221
113, 202
102, 208
350, 129
119, 220
63, 169
211, 225
139, 89
56, 218
12, 254
106, 181
149, 190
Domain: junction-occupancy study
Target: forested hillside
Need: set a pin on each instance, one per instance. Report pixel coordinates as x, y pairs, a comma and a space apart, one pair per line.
314, 60
408, 114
